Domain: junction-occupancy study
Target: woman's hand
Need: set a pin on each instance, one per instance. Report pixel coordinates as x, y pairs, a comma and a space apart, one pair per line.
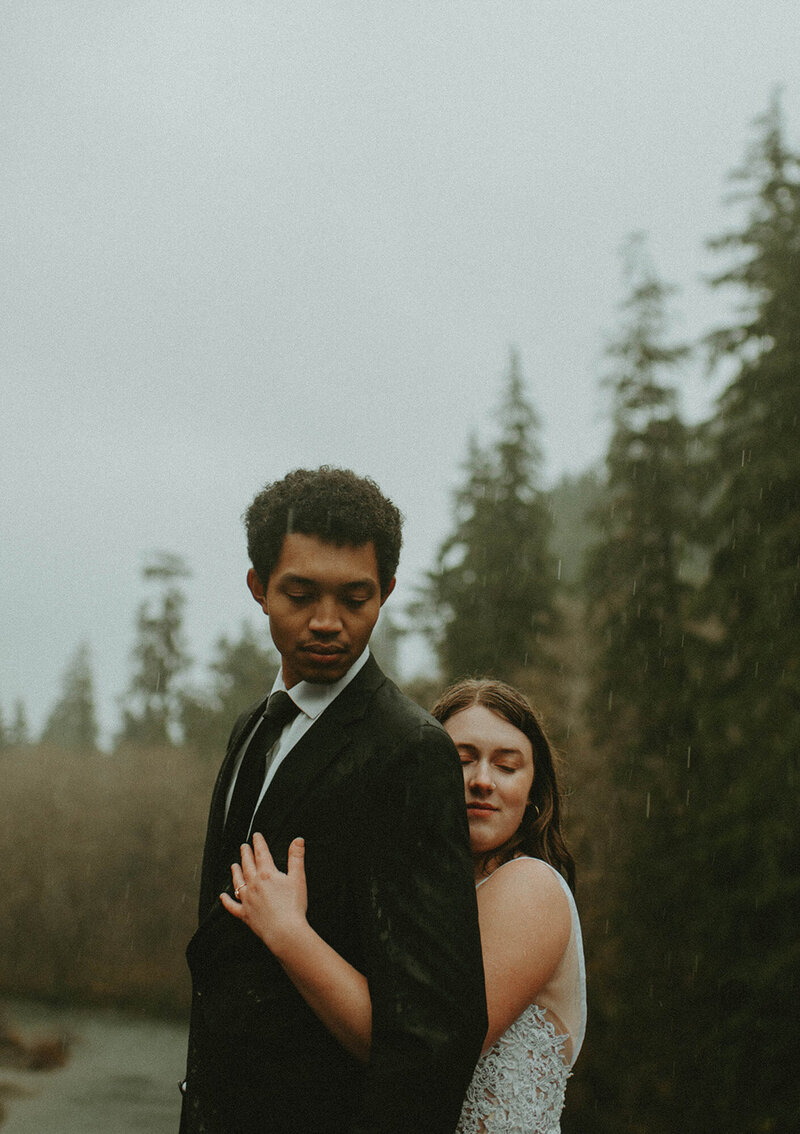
271, 903
274, 906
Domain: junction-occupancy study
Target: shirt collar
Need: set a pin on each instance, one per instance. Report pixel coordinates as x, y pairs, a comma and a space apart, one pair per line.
312, 700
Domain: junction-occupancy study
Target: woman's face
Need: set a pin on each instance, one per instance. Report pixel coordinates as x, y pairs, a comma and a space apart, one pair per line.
497, 761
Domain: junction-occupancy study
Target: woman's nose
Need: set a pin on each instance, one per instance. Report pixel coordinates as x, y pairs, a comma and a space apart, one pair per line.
482, 778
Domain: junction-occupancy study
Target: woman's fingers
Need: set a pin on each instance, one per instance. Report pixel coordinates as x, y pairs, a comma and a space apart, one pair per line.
263, 858
255, 860
272, 903
231, 906
248, 862
296, 871
297, 854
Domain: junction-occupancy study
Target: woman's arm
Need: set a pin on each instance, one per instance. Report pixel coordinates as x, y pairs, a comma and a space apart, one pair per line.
274, 906
524, 921
525, 926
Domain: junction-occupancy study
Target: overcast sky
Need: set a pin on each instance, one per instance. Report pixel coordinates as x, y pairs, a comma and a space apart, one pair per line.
242, 237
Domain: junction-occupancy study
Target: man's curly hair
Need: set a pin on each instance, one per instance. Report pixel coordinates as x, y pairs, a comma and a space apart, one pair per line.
333, 504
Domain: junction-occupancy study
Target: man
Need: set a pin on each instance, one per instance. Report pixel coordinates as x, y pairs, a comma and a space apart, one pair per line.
374, 786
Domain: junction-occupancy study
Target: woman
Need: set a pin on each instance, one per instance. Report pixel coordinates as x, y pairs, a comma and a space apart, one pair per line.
530, 933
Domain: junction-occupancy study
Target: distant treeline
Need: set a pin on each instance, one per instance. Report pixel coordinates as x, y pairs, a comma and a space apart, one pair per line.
667, 667
101, 863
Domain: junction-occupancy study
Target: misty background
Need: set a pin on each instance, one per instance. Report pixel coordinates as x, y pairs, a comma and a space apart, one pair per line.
434, 243
242, 238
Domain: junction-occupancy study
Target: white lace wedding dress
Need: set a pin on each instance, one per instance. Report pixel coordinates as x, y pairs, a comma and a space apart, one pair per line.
518, 1085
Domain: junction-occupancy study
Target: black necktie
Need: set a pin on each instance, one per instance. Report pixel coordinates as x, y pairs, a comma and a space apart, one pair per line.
280, 710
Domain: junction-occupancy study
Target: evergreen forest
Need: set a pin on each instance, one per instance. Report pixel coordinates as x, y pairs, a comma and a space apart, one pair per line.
649, 608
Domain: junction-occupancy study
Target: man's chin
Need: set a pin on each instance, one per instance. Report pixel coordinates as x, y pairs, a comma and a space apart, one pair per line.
324, 672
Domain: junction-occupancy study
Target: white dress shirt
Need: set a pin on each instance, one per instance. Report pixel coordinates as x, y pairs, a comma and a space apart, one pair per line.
312, 701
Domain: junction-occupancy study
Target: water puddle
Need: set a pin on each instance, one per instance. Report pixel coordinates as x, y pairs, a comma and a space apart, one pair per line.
121, 1075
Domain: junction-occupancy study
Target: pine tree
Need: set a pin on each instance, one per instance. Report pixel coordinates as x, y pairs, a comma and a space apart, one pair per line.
639, 707
490, 600
72, 722
575, 502
747, 844
151, 706
633, 578
242, 672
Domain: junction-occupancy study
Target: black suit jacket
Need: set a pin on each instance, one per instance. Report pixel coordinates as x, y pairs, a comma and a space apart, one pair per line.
375, 789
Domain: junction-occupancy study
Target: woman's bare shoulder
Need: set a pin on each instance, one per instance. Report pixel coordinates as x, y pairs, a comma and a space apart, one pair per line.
527, 887
523, 877
525, 923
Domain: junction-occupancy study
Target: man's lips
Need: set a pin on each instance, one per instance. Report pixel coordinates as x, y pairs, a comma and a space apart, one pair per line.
323, 651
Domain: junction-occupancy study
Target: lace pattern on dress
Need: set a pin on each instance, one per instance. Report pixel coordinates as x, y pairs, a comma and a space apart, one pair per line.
518, 1085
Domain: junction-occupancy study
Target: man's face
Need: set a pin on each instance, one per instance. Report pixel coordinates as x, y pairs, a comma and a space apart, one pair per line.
322, 602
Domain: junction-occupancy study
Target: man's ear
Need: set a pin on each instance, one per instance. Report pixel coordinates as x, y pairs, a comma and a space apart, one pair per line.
388, 591
257, 590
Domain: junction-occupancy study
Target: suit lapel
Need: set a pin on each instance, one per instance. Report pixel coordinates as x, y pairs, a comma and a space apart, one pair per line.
307, 761
208, 879
300, 769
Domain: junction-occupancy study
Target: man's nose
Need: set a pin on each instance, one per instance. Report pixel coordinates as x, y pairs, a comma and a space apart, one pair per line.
326, 617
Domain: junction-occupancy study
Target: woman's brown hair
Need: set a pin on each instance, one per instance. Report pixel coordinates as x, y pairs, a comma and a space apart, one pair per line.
539, 833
